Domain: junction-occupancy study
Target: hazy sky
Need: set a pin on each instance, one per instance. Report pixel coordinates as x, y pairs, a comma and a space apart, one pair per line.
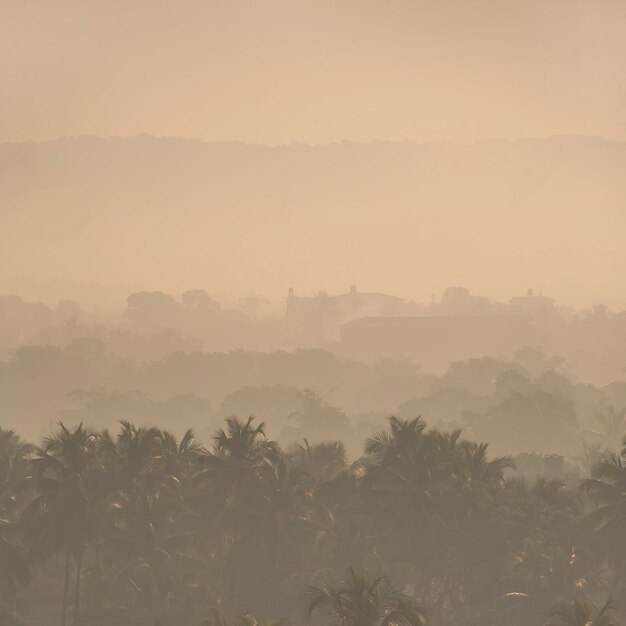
315, 71
275, 71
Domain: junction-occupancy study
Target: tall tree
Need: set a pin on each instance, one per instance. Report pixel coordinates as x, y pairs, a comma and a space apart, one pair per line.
64, 517
360, 600
607, 489
584, 614
15, 455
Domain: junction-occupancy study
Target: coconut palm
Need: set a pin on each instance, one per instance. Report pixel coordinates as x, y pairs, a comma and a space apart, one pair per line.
238, 470
321, 462
181, 458
475, 468
433, 482
607, 489
14, 566
547, 563
360, 600
584, 614
403, 437
15, 456
145, 562
170, 531
243, 445
144, 553
401, 472
243, 620
611, 426
64, 518
9, 618
591, 454
130, 458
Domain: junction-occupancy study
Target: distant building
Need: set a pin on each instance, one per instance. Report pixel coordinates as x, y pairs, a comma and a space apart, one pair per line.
457, 301
531, 304
437, 341
460, 326
315, 319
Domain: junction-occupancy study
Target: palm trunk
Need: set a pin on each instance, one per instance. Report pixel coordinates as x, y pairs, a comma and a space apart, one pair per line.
13, 598
66, 586
11, 593
77, 590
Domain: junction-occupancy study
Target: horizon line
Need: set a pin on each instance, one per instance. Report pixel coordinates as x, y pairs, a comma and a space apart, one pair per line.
339, 142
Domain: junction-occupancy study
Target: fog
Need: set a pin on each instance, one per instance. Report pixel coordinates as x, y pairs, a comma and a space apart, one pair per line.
312, 313
168, 214
313, 72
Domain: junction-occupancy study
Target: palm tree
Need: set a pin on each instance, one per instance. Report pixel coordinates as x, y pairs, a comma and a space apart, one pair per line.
438, 487
9, 618
15, 459
547, 562
131, 456
407, 470
181, 458
63, 518
476, 469
15, 456
14, 567
591, 454
259, 513
584, 614
145, 563
360, 600
238, 470
403, 437
607, 489
321, 462
244, 620
244, 446
611, 426
144, 551
401, 472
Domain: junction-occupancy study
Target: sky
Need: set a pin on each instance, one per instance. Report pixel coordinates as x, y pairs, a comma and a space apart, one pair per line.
314, 71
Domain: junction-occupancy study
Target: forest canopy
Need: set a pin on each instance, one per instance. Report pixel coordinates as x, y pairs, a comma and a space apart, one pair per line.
141, 527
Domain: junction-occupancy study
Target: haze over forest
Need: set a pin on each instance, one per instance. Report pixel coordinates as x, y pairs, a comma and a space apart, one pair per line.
236, 219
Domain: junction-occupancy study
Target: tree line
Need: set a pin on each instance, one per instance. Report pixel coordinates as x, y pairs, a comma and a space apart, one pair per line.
147, 529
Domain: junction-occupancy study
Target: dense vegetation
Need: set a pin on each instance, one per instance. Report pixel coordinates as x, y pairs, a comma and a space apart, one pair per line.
144, 529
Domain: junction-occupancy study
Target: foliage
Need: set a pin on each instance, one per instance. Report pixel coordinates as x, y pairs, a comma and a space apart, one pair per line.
144, 528
360, 600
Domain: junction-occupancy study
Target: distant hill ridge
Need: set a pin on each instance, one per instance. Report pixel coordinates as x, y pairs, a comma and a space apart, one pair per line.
342, 142
150, 210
